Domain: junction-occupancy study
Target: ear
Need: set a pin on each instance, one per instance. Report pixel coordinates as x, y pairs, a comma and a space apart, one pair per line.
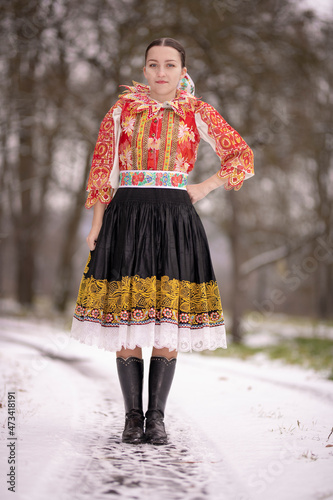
144, 71
183, 73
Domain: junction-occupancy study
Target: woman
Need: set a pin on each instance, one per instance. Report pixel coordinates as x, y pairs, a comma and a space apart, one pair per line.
149, 280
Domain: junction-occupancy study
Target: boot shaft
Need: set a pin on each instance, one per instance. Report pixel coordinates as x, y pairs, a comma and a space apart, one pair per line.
130, 373
161, 373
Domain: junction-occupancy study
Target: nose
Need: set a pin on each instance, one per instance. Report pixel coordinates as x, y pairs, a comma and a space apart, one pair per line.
160, 71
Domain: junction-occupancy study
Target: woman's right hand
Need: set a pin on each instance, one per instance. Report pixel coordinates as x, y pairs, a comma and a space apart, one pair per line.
92, 238
96, 225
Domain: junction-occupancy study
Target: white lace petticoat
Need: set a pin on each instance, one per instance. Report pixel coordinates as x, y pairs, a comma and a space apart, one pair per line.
151, 335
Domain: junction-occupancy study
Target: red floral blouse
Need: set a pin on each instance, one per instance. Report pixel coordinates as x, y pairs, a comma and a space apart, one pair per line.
139, 133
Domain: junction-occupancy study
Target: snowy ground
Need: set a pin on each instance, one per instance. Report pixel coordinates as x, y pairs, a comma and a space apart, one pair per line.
253, 430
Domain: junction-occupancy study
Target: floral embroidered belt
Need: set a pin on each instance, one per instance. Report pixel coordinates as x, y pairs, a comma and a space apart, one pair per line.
153, 178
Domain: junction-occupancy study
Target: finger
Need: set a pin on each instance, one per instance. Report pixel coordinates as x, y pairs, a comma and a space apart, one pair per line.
91, 246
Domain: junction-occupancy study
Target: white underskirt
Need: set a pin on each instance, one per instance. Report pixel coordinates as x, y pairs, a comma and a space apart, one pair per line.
150, 335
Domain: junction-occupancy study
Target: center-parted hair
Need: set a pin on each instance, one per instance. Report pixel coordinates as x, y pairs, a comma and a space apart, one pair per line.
168, 42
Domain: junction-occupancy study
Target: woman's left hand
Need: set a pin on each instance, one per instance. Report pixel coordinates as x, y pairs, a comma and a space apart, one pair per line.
196, 191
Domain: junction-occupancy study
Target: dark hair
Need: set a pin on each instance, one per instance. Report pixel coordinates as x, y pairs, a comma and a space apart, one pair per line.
168, 42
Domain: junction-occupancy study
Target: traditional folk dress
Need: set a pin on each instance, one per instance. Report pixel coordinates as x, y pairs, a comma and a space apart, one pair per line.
150, 280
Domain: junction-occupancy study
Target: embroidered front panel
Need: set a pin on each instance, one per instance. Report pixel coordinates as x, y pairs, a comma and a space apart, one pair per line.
144, 144
164, 142
138, 301
155, 142
132, 141
168, 141
165, 130
139, 139
170, 163
153, 178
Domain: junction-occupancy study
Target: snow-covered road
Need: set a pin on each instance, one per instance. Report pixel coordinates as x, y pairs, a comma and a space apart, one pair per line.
238, 430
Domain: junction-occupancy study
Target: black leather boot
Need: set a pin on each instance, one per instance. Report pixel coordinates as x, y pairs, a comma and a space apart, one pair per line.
130, 373
161, 374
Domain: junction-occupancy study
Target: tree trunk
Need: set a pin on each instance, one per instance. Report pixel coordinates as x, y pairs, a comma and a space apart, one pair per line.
65, 273
25, 219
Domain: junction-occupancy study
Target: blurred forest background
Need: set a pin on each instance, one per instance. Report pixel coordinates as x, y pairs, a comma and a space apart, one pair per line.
266, 65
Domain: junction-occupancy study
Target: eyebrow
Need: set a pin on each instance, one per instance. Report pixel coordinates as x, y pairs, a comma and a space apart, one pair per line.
168, 60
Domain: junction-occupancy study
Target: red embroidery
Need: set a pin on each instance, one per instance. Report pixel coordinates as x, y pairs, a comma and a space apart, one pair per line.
235, 155
176, 180
139, 177
98, 182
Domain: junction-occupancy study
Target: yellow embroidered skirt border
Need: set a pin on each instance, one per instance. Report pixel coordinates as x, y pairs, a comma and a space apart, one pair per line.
138, 301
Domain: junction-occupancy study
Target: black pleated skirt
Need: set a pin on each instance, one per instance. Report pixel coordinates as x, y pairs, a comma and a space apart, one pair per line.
150, 280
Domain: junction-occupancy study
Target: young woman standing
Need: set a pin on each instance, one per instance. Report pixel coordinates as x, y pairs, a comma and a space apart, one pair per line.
149, 279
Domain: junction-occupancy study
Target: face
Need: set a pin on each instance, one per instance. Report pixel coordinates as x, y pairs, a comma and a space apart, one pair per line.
163, 71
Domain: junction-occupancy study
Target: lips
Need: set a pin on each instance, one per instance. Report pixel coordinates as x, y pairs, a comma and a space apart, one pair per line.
161, 81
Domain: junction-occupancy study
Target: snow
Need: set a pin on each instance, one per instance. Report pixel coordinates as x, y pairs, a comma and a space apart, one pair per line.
323, 8
271, 329
238, 430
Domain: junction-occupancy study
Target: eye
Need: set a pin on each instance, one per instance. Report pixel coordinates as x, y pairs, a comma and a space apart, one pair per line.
152, 65
170, 65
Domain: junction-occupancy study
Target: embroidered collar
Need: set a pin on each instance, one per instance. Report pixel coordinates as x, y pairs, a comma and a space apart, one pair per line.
139, 95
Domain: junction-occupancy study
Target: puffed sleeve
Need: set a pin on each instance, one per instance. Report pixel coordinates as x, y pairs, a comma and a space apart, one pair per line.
235, 155
99, 186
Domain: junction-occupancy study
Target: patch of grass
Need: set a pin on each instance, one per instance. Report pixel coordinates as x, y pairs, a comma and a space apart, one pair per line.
241, 351
316, 353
